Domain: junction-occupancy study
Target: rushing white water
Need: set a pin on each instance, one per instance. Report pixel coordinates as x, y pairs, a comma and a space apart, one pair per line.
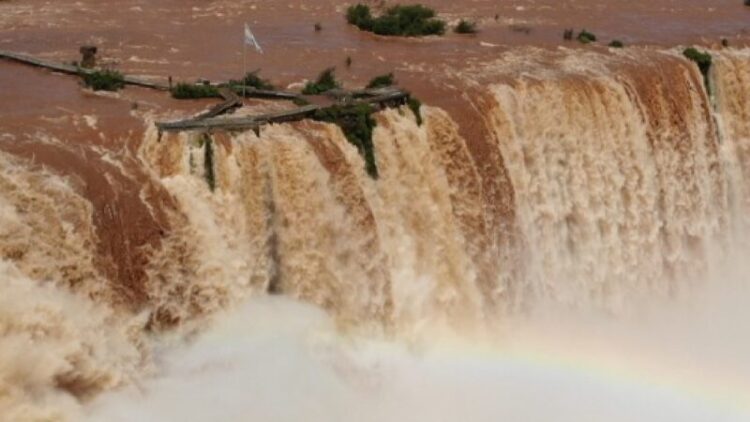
607, 205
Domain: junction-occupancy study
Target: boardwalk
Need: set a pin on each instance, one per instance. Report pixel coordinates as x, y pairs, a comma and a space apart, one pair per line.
385, 98
210, 120
72, 70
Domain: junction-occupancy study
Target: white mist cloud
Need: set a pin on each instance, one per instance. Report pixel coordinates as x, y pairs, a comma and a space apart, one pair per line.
278, 360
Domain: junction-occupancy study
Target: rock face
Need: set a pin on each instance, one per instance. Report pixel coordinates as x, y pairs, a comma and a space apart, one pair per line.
88, 61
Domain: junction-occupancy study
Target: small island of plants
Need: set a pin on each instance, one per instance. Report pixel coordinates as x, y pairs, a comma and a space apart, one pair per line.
402, 20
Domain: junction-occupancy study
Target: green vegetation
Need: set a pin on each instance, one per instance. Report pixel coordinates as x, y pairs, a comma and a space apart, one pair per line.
252, 79
703, 60
568, 35
616, 44
357, 124
183, 91
381, 81
586, 37
360, 16
465, 27
409, 21
415, 105
186, 91
104, 80
208, 162
326, 81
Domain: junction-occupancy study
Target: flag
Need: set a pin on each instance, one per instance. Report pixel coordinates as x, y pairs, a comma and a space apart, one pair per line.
250, 39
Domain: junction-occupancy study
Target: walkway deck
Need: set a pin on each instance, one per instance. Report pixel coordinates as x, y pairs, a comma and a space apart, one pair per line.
73, 70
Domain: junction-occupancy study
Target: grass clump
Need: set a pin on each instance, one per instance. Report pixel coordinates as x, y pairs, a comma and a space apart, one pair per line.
413, 20
183, 91
104, 80
616, 44
252, 79
381, 81
703, 60
357, 124
586, 37
326, 81
465, 27
568, 35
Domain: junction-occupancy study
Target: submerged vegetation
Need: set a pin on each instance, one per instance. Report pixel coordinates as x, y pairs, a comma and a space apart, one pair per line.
586, 37
465, 27
187, 91
402, 20
104, 80
326, 81
184, 91
381, 81
252, 80
704, 62
357, 124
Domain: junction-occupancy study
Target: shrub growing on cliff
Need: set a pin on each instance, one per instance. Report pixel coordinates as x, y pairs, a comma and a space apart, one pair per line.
616, 44
381, 81
415, 105
703, 60
401, 20
183, 91
208, 162
586, 37
104, 80
357, 124
465, 27
326, 81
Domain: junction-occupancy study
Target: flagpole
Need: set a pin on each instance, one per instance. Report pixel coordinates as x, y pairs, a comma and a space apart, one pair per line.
244, 66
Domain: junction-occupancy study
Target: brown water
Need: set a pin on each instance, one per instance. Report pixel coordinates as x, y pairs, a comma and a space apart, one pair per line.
578, 175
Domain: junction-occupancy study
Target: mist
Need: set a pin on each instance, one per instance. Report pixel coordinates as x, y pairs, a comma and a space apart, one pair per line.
274, 359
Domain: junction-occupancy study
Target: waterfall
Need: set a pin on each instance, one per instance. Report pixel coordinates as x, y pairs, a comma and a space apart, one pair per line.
627, 180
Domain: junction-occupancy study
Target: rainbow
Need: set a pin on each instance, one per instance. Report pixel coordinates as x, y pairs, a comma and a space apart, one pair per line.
708, 385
